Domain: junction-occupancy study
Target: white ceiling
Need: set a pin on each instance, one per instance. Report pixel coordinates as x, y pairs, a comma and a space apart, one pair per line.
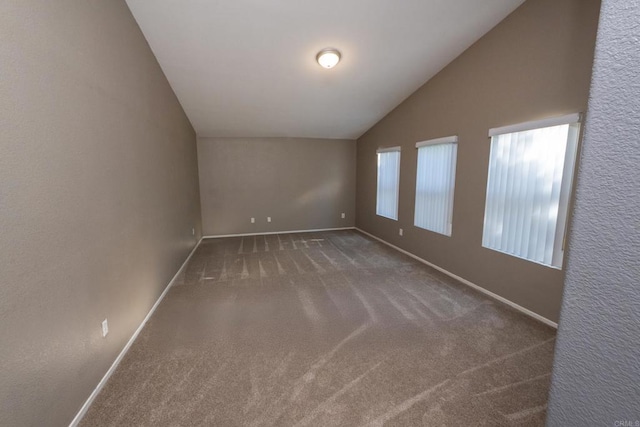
247, 67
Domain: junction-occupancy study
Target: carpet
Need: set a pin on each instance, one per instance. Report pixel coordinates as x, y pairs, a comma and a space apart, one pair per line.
326, 329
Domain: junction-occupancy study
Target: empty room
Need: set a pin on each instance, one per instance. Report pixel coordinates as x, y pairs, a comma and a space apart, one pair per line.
320, 213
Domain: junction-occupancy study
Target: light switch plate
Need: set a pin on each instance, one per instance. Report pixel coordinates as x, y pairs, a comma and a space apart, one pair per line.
105, 328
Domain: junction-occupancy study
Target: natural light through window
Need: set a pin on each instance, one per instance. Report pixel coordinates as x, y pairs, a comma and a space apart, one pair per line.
435, 183
388, 181
529, 186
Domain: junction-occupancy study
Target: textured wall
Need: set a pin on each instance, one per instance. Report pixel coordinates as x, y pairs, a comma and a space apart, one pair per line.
302, 184
534, 64
596, 378
98, 195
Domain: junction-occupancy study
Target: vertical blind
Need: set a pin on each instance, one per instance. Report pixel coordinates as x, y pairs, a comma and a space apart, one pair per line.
435, 182
388, 181
528, 189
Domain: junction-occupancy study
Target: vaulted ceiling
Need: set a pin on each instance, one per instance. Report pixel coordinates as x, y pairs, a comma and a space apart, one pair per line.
247, 67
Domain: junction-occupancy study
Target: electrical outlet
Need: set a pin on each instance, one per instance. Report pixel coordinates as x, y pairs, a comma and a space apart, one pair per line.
105, 328
342, 215
400, 232
193, 231
253, 220
268, 219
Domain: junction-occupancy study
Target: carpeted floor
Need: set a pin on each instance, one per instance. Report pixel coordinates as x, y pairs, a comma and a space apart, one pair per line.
327, 329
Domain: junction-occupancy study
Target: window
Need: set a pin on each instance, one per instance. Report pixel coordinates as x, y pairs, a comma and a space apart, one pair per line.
435, 182
388, 180
530, 177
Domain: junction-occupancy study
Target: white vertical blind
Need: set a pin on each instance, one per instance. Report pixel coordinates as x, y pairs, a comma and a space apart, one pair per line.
388, 182
435, 183
528, 188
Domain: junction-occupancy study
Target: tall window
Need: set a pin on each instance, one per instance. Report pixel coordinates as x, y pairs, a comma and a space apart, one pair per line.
435, 182
388, 181
530, 177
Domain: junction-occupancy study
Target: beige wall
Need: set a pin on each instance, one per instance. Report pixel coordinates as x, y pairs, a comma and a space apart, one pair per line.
596, 373
535, 64
98, 195
300, 183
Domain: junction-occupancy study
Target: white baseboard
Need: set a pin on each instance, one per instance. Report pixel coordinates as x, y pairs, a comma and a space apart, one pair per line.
497, 297
266, 233
114, 365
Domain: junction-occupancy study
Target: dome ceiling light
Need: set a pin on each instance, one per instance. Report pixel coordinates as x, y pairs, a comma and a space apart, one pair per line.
328, 58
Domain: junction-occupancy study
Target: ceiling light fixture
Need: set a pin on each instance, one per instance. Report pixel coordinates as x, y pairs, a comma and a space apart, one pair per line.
328, 58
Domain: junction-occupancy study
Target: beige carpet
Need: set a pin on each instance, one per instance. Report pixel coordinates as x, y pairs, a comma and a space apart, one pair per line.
327, 329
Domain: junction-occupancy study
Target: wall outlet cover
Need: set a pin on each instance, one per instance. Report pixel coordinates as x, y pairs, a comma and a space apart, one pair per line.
400, 232
253, 220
